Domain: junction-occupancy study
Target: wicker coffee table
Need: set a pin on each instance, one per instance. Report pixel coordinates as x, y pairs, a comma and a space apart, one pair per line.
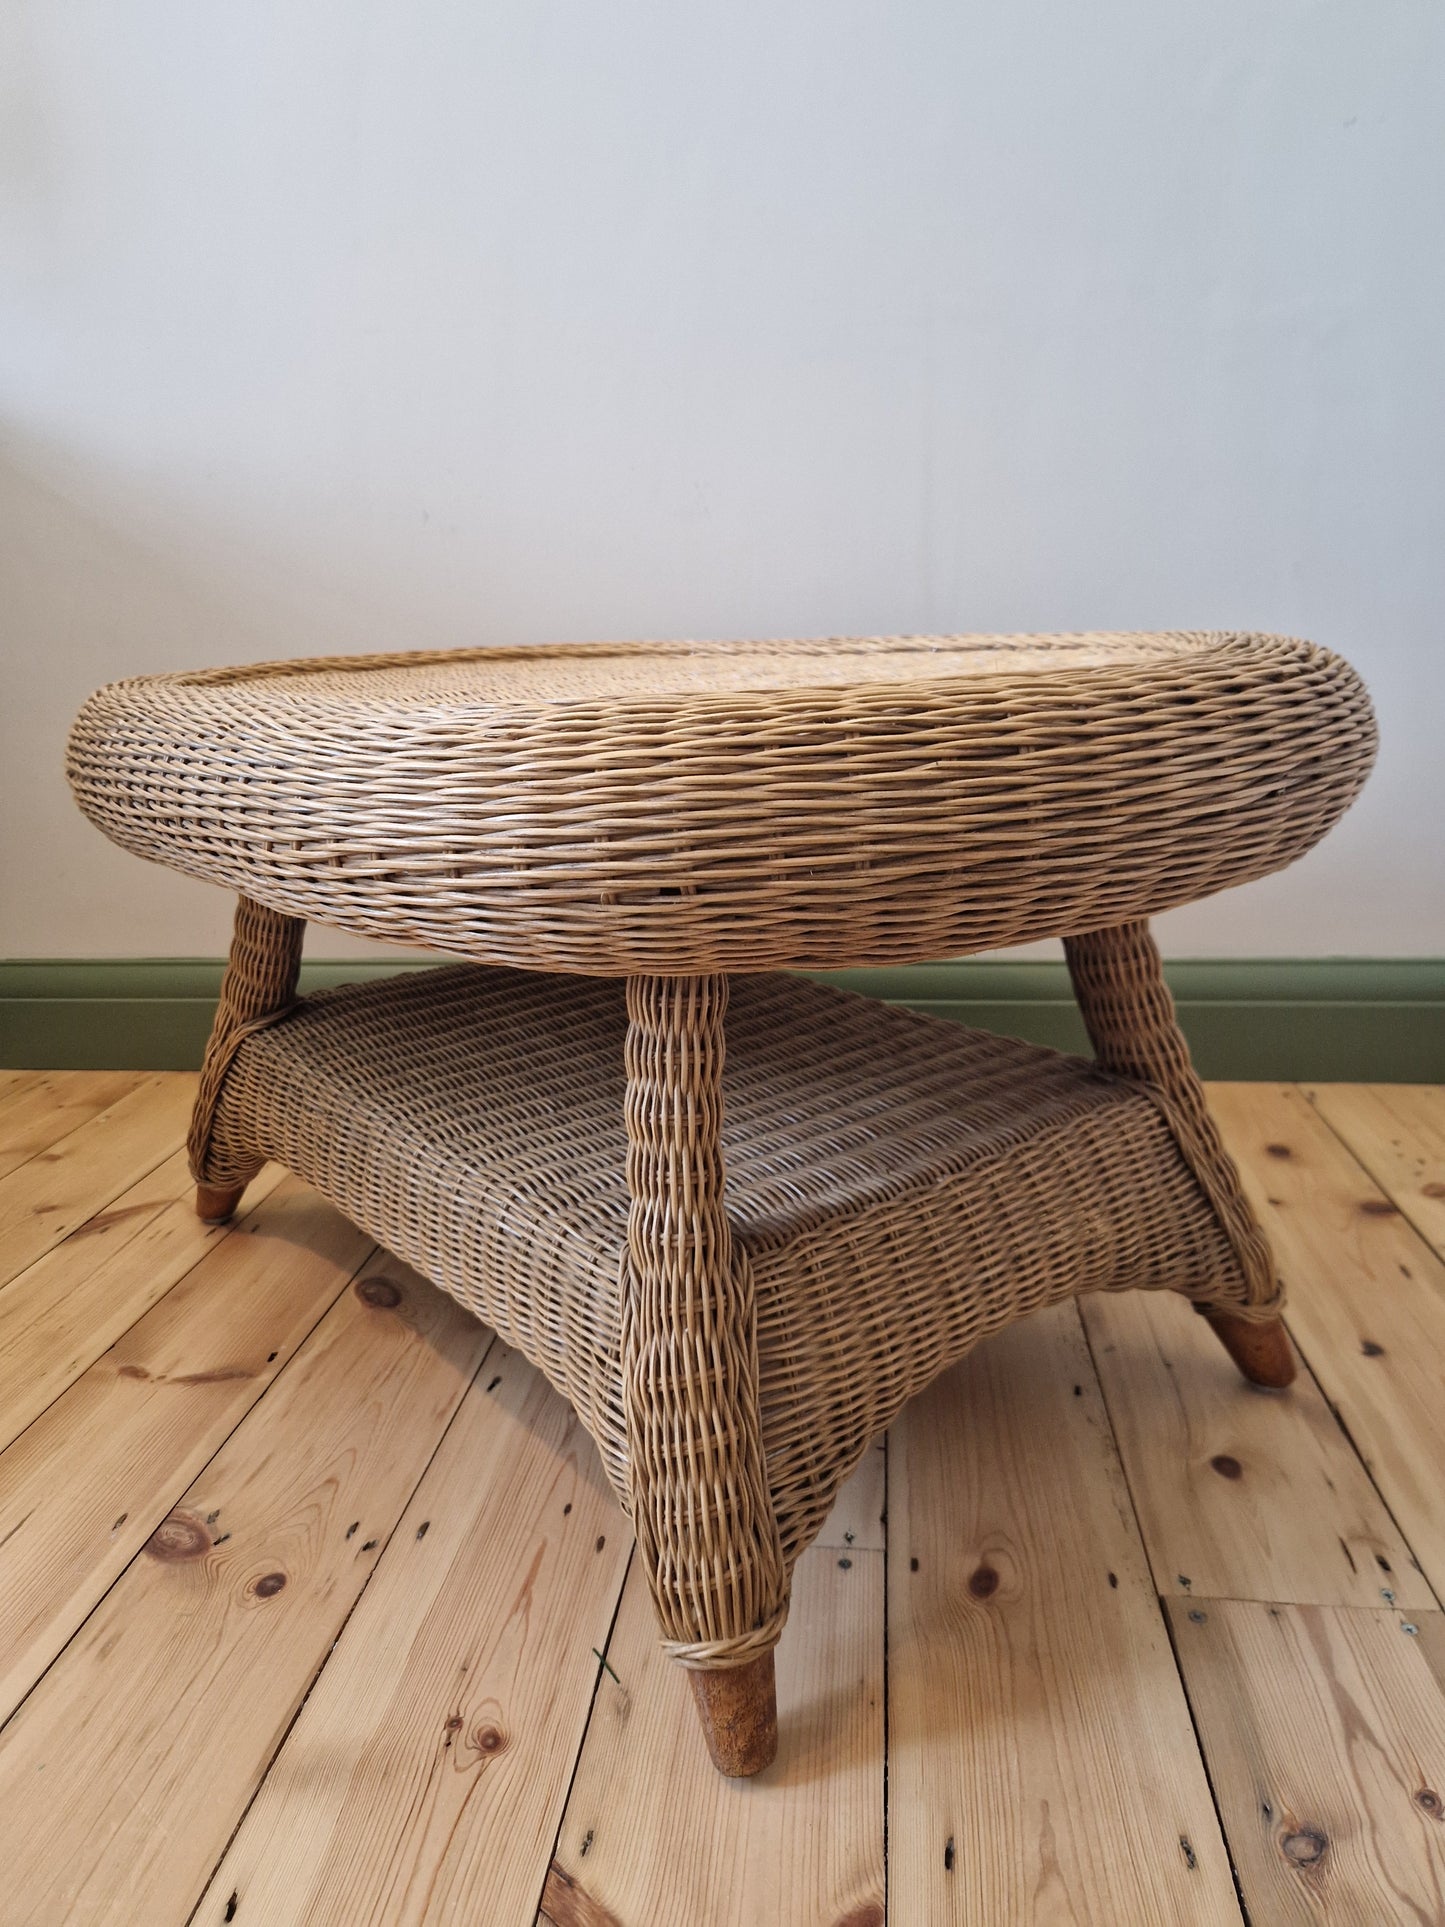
622, 841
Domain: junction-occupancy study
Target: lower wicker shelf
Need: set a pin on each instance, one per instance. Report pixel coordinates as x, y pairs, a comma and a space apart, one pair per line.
901, 1186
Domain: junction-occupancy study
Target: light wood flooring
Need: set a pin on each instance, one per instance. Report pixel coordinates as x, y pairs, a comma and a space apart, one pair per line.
314, 1606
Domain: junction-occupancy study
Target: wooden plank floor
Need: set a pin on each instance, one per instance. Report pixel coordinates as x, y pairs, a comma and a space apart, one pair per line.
315, 1607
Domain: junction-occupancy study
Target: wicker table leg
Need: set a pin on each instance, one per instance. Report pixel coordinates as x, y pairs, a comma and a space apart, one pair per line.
259, 986
706, 1529
1119, 982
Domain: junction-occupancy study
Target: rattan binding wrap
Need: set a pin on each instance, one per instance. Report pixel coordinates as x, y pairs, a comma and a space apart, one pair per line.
896, 1188
695, 808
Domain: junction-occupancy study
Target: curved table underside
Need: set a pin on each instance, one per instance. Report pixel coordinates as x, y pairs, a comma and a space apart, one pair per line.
632, 808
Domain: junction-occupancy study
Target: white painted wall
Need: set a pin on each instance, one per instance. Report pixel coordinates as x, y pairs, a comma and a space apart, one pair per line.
334, 324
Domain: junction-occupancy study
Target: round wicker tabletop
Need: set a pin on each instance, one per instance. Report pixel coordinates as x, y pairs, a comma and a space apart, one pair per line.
691, 807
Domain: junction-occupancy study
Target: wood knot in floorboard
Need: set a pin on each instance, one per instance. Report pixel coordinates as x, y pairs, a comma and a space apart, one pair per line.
179, 1537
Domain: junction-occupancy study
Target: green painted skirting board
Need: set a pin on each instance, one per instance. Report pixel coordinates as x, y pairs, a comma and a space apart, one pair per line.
1332, 1019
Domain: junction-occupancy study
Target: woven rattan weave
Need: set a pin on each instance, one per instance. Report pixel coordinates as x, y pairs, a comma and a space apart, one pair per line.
737, 1218
896, 1186
732, 807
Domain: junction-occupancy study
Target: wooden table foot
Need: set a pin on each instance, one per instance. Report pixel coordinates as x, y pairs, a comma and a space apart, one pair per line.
217, 1202
1262, 1352
739, 1713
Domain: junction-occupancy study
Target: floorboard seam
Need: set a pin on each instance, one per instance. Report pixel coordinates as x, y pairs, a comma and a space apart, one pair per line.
230, 1229
1163, 1614
109, 1199
1379, 1183
221, 1444
1204, 1761
537, 1911
1335, 1413
51, 1144
1339, 1418
276, 1751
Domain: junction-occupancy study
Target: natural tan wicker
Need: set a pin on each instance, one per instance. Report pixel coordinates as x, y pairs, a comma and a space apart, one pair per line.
736, 1299
727, 807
